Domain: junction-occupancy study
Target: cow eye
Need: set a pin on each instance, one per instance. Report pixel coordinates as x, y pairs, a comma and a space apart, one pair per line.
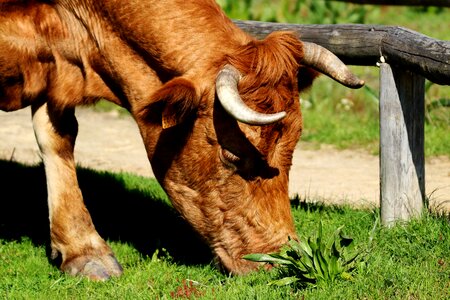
229, 158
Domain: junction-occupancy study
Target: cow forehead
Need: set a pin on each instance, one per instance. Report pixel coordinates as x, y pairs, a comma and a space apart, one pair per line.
264, 99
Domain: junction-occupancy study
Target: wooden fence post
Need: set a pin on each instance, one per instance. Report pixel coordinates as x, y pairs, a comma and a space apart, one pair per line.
402, 172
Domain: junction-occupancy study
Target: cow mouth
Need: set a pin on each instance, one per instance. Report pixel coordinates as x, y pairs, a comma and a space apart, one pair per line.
237, 265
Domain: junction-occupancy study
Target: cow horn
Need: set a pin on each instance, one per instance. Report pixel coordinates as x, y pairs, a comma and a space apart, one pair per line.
326, 62
227, 92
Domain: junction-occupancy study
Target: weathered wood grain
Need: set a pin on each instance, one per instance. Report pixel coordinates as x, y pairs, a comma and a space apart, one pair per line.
364, 44
402, 173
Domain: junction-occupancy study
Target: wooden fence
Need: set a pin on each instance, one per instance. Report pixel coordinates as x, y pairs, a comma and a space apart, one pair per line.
405, 59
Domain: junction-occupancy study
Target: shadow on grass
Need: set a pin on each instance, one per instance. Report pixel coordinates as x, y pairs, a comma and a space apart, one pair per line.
317, 206
119, 213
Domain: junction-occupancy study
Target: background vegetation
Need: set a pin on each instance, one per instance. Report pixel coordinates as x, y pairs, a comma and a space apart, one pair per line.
347, 118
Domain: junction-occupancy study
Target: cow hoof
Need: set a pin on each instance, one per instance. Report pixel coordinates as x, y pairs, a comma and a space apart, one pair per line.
96, 268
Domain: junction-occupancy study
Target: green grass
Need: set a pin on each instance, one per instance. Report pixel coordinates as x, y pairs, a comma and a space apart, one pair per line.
346, 119
405, 262
350, 118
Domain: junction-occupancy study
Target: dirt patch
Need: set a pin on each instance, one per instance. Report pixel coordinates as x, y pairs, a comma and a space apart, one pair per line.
107, 141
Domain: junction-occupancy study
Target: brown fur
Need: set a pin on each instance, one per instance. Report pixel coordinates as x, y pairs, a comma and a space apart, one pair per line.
159, 59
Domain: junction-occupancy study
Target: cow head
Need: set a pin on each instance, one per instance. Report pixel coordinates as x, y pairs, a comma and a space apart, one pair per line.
222, 145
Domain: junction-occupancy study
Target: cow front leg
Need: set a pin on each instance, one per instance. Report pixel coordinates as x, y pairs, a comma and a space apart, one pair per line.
73, 234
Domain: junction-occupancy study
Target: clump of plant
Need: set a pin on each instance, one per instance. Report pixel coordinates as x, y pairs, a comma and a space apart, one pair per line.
314, 260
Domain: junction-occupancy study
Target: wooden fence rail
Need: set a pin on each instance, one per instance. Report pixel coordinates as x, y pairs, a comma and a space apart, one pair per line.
405, 58
365, 44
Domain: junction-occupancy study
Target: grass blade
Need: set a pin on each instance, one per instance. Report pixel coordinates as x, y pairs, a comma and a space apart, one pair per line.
267, 258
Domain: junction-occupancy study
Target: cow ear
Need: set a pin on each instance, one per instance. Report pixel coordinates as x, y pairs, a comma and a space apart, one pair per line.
179, 99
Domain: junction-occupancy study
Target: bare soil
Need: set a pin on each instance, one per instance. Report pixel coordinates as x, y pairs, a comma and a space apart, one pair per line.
109, 141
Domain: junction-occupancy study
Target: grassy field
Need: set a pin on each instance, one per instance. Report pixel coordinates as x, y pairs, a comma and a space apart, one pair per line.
163, 259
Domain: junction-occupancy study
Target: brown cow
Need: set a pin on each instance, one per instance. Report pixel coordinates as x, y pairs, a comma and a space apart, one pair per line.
218, 111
